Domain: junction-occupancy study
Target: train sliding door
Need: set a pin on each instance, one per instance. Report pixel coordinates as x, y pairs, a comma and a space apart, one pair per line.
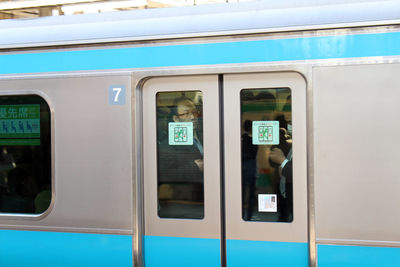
265, 170
225, 170
181, 172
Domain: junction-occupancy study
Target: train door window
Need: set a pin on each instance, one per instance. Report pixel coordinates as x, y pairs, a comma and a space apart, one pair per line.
266, 152
180, 155
25, 154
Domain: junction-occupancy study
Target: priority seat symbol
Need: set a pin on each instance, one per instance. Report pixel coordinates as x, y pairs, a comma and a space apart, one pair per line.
180, 134
265, 133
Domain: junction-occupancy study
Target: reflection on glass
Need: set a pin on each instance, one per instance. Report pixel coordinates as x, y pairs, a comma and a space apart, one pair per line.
25, 154
180, 155
267, 191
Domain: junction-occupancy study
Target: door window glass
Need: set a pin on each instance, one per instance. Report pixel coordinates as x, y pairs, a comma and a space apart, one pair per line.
180, 155
266, 145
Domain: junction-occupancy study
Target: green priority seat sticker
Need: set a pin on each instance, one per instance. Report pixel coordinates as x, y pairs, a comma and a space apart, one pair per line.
180, 133
19, 122
265, 133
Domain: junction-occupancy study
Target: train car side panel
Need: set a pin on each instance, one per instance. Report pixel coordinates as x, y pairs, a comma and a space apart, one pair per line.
356, 171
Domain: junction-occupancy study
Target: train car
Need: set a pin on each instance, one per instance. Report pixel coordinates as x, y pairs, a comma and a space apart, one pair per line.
251, 134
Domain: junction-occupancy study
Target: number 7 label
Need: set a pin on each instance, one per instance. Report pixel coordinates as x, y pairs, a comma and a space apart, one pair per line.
116, 95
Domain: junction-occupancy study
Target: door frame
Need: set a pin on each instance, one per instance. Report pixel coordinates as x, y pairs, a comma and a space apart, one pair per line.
302, 236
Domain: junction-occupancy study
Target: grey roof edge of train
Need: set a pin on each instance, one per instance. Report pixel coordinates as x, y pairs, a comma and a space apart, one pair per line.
206, 20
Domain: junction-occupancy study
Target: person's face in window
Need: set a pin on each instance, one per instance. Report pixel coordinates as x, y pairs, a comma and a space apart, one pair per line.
186, 112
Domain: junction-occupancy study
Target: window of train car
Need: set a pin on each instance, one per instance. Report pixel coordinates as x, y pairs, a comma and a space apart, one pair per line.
25, 154
180, 155
266, 145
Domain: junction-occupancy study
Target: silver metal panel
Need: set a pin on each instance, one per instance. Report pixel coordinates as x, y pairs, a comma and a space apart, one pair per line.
257, 16
137, 171
209, 227
353, 242
236, 228
312, 248
92, 154
356, 152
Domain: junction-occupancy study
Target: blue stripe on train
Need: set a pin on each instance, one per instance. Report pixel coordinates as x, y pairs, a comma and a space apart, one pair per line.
164, 251
35, 248
320, 47
357, 256
248, 253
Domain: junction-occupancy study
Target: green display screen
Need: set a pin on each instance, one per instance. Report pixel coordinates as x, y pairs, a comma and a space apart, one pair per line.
20, 124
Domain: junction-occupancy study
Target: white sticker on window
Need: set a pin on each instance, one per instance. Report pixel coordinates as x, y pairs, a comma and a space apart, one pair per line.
180, 133
267, 203
265, 132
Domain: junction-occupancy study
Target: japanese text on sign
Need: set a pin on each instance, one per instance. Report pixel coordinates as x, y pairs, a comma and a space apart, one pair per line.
19, 121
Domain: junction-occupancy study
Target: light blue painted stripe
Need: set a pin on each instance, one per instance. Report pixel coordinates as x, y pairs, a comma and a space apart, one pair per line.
357, 256
163, 251
31, 248
248, 253
325, 47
